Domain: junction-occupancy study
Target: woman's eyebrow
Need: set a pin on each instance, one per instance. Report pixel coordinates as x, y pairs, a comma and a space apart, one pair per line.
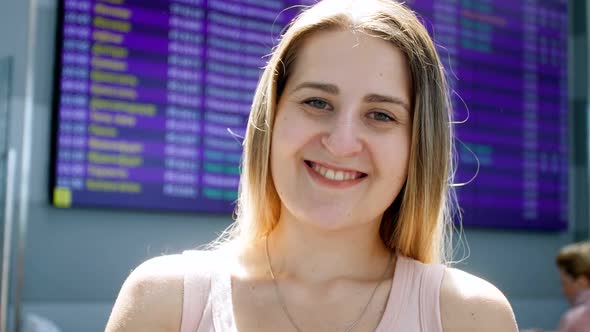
376, 98
329, 88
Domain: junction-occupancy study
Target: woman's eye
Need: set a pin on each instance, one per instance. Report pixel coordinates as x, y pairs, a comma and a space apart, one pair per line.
380, 116
317, 103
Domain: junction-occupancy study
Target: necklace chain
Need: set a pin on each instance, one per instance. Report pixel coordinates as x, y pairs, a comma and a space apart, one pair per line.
284, 305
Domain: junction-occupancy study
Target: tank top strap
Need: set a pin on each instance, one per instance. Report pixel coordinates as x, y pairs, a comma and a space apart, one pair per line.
413, 303
429, 301
197, 286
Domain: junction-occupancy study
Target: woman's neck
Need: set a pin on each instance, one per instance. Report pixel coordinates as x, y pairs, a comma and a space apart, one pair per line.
307, 253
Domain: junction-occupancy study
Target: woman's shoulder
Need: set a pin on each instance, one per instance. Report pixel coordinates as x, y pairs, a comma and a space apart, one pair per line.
575, 318
469, 303
151, 297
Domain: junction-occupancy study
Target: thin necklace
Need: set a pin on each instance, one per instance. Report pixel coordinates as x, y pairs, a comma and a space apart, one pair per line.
284, 306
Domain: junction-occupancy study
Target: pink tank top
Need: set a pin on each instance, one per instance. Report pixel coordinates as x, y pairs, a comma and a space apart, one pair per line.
413, 303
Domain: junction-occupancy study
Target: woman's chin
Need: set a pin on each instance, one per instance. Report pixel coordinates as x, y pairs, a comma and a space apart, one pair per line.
330, 221
327, 216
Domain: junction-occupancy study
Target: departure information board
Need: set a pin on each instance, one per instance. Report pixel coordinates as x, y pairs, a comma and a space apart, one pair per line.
152, 98
507, 62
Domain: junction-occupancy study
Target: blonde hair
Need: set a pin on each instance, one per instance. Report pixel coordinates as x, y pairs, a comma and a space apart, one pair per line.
574, 259
415, 225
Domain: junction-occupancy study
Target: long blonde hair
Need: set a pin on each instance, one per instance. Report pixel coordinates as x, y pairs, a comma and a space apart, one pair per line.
416, 224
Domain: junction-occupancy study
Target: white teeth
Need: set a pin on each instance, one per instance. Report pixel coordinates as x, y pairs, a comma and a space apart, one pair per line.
332, 174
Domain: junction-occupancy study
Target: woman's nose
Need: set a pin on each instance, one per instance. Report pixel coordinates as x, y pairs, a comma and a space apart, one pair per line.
343, 138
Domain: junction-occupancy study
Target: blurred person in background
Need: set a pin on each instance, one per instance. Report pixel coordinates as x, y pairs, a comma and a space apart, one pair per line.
573, 262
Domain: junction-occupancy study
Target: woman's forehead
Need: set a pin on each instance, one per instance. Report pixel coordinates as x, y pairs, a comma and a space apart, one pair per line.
351, 59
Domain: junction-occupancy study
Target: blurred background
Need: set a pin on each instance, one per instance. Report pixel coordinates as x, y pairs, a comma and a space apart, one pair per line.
120, 126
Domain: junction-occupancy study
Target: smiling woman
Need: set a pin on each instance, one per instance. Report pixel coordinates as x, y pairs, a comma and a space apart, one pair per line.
345, 197
330, 124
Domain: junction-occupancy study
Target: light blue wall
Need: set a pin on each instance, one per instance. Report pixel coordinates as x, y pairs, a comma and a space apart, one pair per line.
76, 260
521, 265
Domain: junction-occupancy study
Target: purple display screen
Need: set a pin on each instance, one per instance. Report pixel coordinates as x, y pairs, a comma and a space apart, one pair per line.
152, 98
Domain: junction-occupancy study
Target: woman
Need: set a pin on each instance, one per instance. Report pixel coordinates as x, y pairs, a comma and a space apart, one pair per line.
344, 197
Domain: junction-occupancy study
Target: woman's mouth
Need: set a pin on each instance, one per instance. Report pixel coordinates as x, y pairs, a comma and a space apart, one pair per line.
334, 174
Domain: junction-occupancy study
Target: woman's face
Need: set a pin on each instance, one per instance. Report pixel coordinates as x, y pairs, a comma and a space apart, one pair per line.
571, 286
568, 286
341, 138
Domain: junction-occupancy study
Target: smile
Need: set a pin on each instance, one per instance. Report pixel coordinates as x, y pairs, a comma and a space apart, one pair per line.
334, 174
